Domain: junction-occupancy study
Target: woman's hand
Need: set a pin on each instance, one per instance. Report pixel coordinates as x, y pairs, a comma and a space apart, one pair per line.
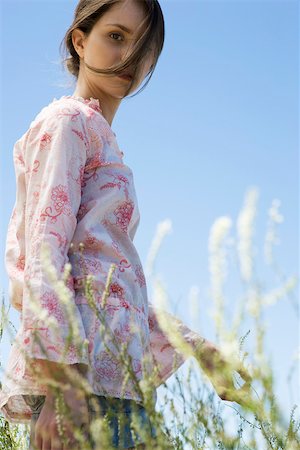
47, 435
220, 372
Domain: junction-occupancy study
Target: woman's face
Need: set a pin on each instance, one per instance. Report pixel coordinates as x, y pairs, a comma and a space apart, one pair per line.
108, 44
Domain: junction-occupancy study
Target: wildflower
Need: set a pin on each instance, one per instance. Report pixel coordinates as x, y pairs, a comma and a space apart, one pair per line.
245, 229
163, 228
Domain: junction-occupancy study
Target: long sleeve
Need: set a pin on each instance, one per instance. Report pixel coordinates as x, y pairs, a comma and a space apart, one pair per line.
167, 358
55, 154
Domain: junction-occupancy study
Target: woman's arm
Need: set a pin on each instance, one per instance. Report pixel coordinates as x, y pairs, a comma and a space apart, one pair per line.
208, 355
54, 158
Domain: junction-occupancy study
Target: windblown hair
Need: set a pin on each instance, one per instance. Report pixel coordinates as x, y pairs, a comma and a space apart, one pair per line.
88, 12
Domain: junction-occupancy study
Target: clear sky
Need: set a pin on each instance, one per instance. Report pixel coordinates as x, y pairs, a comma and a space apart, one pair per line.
220, 115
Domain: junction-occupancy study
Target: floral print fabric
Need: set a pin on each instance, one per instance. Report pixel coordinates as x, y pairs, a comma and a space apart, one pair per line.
75, 193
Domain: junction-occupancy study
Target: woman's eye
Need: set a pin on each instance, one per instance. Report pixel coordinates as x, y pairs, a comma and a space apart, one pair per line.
116, 34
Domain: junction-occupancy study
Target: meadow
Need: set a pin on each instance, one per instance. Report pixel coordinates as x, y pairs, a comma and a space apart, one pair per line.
202, 420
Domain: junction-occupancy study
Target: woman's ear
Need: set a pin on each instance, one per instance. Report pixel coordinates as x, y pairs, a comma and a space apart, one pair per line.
78, 39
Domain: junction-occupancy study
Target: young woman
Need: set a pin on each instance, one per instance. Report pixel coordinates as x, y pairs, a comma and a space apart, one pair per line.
75, 193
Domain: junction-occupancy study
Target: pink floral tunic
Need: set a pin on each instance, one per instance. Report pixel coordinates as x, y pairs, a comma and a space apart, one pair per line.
74, 188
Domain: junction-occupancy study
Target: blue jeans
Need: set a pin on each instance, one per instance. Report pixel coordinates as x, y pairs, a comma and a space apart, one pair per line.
117, 411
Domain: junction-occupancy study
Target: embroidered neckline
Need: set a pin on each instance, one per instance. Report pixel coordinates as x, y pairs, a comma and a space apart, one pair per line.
92, 102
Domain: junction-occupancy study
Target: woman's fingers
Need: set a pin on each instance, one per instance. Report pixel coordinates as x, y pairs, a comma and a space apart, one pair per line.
245, 374
38, 440
72, 442
220, 370
46, 444
48, 441
56, 443
38, 443
227, 391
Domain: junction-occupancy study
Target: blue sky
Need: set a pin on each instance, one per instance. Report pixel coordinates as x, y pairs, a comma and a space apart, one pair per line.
220, 115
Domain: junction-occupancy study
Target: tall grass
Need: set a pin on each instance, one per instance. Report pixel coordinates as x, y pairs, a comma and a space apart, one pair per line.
198, 418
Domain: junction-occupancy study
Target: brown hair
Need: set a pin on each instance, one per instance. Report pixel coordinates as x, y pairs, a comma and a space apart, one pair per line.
88, 12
